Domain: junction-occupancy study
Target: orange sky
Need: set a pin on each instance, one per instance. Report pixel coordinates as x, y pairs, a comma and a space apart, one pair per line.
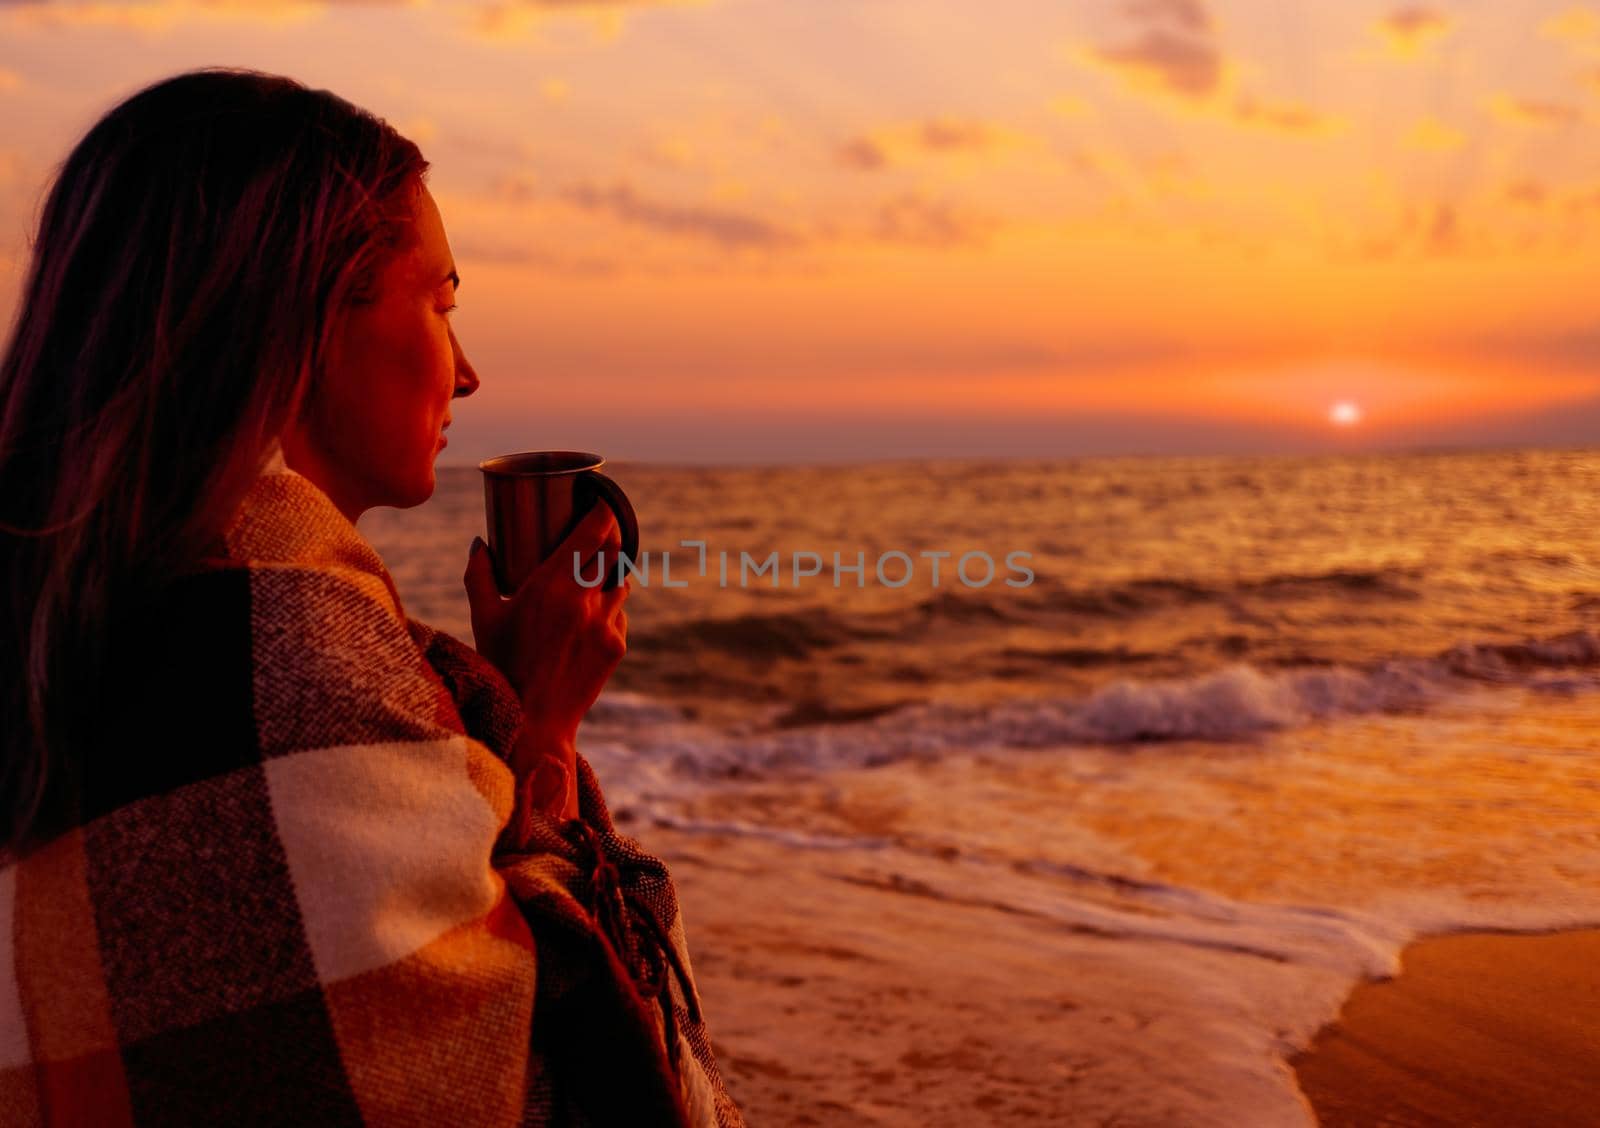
795, 229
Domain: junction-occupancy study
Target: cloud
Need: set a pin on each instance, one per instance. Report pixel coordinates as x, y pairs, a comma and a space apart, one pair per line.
481, 144
1573, 199
521, 20
1289, 117
422, 130
515, 188
1086, 162
520, 23
914, 219
1569, 346
1430, 135
1174, 52
933, 137
1583, 200
1073, 107
1428, 230
1169, 62
1410, 33
1527, 193
546, 261
588, 5
946, 134
677, 154
1171, 172
1538, 195
1576, 24
11, 168
1533, 112
1440, 229
908, 219
731, 230
951, 354
863, 153
154, 16
1186, 15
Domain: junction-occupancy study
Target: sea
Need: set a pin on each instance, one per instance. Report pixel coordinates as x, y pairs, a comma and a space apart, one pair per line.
1260, 720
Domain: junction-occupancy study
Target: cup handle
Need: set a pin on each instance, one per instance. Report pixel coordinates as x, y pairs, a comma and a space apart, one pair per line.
627, 521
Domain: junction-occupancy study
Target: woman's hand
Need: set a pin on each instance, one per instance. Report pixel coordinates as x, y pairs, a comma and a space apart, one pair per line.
557, 642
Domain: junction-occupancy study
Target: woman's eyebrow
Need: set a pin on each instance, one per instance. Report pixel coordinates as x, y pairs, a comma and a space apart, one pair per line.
453, 278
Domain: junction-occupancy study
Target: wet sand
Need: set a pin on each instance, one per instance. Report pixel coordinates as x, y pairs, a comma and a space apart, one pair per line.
839, 998
1478, 1029
847, 985
843, 1002
832, 1004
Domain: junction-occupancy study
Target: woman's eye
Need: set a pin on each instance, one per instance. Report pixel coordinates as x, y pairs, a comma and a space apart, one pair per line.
449, 309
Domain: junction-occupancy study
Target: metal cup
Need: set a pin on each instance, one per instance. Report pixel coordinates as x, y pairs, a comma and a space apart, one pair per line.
535, 499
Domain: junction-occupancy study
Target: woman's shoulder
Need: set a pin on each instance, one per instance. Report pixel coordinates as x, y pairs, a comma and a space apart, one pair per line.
293, 642
286, 524
283, 860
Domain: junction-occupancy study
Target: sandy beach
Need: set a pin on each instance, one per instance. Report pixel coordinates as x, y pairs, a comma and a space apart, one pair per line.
837, 1002
845, 1002
1177, 977
1477, 1029
817, 1021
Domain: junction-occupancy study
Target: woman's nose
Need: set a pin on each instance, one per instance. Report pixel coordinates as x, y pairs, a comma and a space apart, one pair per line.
466, 375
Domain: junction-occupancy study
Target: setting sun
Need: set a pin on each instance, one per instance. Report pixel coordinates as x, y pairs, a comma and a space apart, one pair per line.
1344, 414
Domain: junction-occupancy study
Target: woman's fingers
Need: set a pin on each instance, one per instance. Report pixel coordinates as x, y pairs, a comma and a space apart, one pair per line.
615, 608
548, 784
479, 576
595, 532
609, 553
483, 593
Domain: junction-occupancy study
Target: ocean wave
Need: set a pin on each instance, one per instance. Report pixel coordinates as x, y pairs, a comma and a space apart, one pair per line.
1144, 596
800, 633
786, 634
1239, 702
1511, 662
620, 708
1393, 583
1243, 701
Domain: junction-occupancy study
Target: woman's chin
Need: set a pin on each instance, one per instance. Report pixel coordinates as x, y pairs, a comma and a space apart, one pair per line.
416, 490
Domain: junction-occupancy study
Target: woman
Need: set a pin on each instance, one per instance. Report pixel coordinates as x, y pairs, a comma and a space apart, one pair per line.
273, 850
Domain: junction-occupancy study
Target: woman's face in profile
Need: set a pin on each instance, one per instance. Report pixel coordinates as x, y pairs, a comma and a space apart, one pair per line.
376, 419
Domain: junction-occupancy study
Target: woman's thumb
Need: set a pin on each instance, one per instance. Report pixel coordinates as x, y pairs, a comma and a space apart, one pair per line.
479, 577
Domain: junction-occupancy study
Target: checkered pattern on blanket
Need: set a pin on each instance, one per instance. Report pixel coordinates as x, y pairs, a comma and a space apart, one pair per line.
299, 889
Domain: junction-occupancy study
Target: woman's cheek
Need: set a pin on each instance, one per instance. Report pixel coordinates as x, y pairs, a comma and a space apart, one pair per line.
426, 353
445, 363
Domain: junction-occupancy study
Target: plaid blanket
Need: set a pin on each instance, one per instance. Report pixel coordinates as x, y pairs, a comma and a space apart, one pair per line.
300, 888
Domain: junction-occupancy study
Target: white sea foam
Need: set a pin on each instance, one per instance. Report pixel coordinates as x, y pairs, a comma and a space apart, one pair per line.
1186, 1000
1239, 702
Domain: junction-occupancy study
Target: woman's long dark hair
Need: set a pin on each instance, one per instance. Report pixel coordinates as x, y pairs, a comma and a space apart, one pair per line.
193, 258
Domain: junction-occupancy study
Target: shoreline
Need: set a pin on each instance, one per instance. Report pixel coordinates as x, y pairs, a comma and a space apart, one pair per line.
853, 986
1479, 1027
838, 993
